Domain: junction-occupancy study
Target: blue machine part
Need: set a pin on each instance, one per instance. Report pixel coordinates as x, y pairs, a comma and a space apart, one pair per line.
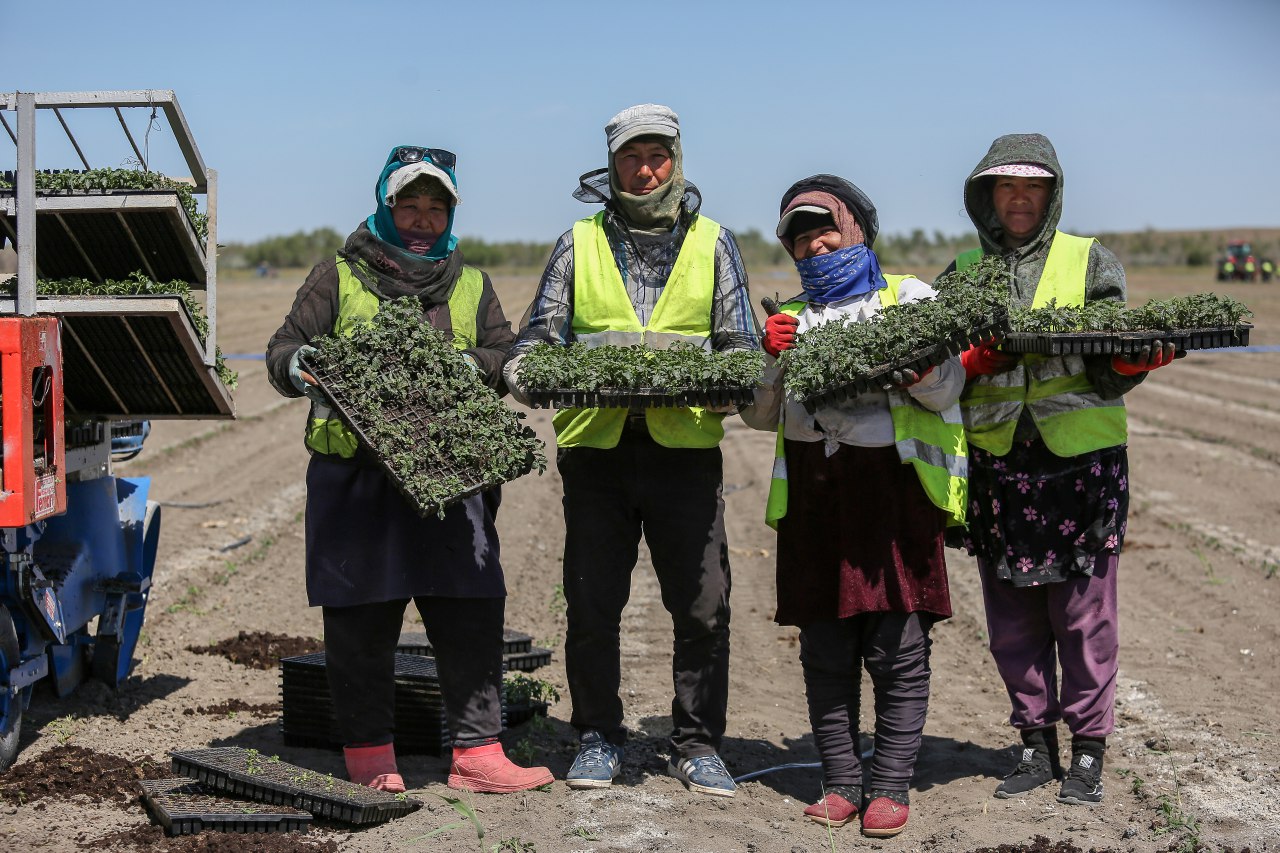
99, 557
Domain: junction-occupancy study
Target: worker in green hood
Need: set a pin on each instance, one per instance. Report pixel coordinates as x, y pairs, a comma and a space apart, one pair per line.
1048, 476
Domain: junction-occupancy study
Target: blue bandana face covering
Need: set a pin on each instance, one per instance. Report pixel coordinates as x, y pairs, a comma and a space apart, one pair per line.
383, 226
840, 274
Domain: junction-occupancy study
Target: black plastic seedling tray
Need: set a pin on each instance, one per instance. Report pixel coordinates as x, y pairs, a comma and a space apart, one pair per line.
513, 642
519, 714
185, 807
528, 661
419, 419
1125, 343
626, 398
246, 773
920, 360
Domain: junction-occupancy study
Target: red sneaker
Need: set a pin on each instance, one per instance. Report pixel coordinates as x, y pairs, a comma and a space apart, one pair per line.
884, 817
374, 766
487, 770
832, 810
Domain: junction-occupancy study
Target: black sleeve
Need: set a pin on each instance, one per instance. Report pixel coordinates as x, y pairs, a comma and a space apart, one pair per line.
493, 337
315, 310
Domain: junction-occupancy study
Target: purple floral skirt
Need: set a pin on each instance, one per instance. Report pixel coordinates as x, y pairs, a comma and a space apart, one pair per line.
1039, 518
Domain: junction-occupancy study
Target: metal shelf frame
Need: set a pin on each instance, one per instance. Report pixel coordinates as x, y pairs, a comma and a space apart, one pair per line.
24, 204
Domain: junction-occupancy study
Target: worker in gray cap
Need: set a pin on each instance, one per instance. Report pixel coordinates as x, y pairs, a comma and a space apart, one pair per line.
648, 269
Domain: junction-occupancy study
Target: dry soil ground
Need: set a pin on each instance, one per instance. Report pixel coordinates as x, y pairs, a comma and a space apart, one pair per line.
1195, 753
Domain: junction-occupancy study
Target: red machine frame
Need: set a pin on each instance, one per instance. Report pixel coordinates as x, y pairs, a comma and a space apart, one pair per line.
31, 420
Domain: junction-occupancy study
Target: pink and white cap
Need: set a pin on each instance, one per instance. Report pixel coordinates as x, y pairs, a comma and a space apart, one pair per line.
1018, 170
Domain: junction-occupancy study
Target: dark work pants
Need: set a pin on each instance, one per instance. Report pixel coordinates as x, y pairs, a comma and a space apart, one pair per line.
673, 497
360, 644
894, 647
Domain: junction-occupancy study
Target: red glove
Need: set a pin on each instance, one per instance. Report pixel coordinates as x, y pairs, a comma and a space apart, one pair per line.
779, 333
1148, 358
984, 359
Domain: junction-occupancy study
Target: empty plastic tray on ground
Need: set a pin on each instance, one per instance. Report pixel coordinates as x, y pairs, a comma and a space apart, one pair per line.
185, 807
247, 773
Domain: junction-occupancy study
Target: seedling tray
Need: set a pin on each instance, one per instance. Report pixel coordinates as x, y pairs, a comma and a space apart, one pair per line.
417, 418
513, 642
184, 807
245, 773
518, 714
527, 661
919, 360
307, 717
626, 398
1125, 343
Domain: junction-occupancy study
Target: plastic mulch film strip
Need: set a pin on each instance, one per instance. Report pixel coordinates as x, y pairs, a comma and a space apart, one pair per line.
185, 807
513, 642
246, 773
421, 419
1125, 343
920, 360
625, 398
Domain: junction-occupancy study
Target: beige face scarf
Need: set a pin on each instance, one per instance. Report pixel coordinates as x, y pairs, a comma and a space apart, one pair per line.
660, 208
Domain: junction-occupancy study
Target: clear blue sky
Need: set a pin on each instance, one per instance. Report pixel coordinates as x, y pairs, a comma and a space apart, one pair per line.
1164, 114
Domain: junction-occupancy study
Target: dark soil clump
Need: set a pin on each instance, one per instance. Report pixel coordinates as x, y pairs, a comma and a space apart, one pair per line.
153, 838
260, 649
1040, 844
65, 771
236, 706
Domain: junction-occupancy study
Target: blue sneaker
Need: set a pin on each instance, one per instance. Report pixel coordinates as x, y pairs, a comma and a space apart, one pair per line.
597, 764
705, 774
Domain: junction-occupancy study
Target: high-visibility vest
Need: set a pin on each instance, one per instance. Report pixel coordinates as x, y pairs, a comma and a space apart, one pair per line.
603, 315
1071, 417
931, 442
326, 433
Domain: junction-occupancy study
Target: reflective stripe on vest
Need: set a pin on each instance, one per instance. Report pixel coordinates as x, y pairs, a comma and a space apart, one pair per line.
933, 443
326, 433
603, 315
1071, 417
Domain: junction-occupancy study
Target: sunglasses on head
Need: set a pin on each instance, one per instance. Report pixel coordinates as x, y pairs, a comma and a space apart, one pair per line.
414, 154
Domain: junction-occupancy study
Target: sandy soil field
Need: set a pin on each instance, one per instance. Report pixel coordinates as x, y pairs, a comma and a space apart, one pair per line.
1195, 758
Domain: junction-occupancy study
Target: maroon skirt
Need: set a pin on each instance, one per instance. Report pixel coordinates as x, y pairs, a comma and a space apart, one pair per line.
860, 536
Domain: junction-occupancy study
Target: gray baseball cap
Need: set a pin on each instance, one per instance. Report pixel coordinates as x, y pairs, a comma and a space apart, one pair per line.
641, 120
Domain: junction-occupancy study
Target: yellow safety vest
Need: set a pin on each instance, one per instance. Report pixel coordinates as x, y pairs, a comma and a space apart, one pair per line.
931, 442
1071, 417
604, 316
326, 433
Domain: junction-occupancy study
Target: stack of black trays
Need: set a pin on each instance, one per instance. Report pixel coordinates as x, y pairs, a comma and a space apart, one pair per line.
307, 718
519, 654
184, 807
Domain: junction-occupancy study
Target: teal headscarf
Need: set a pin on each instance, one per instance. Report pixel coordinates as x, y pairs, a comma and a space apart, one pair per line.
384, 227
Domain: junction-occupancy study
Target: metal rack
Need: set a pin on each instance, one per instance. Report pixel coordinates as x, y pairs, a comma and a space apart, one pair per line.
109, 234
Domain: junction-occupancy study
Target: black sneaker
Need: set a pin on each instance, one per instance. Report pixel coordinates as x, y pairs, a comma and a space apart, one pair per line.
1083, 785
1039, 764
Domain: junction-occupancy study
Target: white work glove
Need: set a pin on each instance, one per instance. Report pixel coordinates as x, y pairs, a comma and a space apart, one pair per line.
511, 373
301, 380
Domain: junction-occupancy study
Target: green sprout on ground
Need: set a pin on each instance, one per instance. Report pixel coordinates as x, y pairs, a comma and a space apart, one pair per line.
469, 817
